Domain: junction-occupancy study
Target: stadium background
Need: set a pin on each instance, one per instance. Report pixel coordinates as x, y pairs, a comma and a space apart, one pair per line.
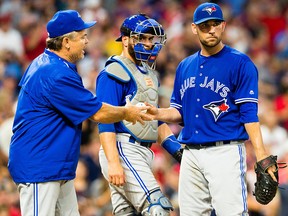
258, 28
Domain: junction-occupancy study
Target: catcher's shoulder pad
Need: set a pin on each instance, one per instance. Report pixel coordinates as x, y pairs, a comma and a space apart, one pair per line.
116, 70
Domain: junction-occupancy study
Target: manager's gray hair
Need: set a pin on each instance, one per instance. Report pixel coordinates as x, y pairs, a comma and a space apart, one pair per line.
56, 43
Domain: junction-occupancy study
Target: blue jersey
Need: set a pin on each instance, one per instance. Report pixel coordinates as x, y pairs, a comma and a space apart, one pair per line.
216, 95
114, 92
52, 104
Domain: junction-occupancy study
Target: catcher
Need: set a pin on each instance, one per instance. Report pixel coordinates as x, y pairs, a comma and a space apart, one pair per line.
125, 155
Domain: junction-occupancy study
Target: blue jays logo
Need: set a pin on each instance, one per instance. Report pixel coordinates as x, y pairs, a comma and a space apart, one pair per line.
128, 97
217, 108
209, 10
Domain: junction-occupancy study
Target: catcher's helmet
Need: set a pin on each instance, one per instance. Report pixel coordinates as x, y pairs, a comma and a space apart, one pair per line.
140, 24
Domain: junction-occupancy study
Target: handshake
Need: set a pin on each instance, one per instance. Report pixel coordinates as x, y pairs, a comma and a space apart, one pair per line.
140, 112
146, 112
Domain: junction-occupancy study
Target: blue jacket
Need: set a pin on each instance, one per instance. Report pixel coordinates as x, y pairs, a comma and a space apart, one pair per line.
52, 105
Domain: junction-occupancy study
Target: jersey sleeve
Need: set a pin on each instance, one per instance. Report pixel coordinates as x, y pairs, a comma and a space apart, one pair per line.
72, 100
108, 90
247, 84
248, 112
176, 101
246, 94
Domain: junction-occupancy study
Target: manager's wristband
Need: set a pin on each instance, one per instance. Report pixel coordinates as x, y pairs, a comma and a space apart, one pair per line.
171, 144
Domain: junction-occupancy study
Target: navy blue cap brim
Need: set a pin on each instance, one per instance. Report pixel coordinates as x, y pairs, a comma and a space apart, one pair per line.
88, 25
206, 19
119, 39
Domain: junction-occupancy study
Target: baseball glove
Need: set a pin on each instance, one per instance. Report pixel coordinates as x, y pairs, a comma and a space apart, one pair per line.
178, 155
265, 186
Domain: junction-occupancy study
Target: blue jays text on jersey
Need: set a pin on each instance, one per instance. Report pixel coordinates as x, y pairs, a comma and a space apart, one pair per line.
216, 95
214, 85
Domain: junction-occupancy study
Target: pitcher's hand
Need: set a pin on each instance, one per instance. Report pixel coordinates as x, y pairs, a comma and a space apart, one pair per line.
152, 111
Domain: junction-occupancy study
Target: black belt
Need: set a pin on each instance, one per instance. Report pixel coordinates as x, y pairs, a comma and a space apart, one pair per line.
145, 144
212, 144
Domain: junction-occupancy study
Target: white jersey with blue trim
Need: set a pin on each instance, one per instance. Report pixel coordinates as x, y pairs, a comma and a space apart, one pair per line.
208, 92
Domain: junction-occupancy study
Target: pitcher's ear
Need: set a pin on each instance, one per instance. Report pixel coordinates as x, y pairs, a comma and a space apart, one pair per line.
194, 28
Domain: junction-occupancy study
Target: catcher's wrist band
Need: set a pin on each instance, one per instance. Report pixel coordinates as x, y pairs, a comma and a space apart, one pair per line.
171, 144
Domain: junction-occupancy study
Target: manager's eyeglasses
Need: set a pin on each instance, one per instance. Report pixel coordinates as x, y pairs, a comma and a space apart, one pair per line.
206, 26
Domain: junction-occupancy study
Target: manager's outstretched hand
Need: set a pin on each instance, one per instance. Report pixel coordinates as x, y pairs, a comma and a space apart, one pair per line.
131, 113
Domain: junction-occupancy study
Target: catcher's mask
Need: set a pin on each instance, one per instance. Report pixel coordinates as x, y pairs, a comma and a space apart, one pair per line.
140, 27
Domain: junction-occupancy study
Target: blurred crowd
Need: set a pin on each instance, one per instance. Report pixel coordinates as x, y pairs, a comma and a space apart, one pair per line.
258, 28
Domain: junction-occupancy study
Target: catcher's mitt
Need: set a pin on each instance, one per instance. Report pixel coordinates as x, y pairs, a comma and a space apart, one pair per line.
178, 155
265, 186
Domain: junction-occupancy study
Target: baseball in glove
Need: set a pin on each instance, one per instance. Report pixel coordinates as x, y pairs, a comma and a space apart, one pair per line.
265, 186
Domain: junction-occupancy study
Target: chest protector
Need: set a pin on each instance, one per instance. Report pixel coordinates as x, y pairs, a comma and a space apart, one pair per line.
124, 70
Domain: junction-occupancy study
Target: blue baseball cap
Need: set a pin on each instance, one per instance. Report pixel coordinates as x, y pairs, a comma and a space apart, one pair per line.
66, 21
207, 11
130, 24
